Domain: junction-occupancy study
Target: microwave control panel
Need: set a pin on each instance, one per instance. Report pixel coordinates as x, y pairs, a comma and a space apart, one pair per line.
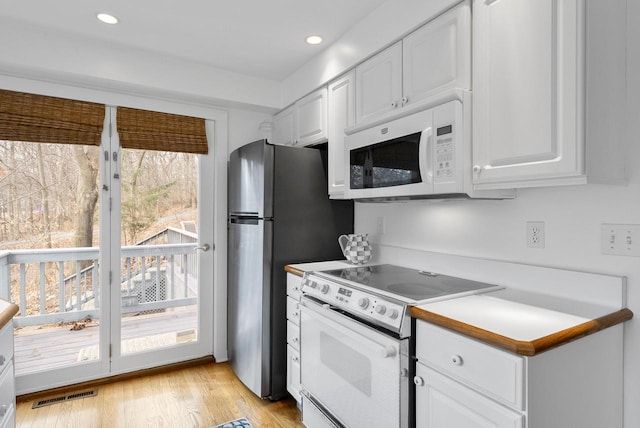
445, 153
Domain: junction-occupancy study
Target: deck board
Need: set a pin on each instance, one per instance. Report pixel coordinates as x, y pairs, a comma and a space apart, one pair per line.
48, 347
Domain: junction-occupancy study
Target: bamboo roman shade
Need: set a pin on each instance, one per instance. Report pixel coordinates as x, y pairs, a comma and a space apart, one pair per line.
42, 119
149, 130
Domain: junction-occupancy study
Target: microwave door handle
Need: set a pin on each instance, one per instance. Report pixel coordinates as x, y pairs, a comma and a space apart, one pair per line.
426, 154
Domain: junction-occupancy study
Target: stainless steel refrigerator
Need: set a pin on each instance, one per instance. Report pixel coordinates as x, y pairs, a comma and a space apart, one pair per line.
279, 213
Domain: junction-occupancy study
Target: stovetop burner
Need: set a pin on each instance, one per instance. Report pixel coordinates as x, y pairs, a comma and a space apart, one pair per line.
408, 283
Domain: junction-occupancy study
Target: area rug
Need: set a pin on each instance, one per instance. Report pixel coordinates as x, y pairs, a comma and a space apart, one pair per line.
236, 423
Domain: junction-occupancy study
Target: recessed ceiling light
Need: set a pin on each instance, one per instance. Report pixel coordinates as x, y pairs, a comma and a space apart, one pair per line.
107, 19
314, 40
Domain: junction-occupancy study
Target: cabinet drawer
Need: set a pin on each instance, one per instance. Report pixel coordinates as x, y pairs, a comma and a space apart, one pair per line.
293, 373
489, 370
293, 335
7, 392
6, 345
9, 418
294, 284
293, 311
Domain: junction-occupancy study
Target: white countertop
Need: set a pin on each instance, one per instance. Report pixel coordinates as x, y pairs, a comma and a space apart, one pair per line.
517, 321
320, 266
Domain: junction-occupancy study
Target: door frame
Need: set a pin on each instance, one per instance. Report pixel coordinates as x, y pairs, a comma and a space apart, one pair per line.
213, 170
161, 356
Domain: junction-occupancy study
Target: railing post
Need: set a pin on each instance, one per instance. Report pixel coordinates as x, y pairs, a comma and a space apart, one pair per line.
5, 276
62, 287
43, 288
95, 281
78, 285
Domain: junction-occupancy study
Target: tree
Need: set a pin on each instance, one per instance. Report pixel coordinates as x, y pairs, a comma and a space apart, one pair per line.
44, 196
86, 194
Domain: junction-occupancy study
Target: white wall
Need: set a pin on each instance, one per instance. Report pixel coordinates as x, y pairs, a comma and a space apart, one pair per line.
572, 216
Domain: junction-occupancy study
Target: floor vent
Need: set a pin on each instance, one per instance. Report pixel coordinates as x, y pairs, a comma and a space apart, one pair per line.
63, 398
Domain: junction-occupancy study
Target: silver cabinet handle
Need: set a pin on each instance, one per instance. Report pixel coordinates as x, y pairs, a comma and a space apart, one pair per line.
418, 381
405, 100
477, 169
456, 360
394, 104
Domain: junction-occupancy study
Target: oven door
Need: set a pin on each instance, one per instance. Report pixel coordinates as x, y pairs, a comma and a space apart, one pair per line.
357, 373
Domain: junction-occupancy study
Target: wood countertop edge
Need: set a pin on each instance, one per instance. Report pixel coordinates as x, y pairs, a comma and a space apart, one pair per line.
519, 347
294, 270
8, 314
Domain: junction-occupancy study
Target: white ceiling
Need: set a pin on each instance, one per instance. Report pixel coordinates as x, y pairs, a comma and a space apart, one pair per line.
261, 38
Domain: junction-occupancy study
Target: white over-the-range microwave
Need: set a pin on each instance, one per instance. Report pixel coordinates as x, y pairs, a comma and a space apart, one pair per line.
424, 155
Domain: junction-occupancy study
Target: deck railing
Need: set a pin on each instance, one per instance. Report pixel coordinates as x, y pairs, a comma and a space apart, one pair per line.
153, 278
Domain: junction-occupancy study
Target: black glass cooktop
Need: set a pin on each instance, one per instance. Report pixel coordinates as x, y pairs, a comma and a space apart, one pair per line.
409, 283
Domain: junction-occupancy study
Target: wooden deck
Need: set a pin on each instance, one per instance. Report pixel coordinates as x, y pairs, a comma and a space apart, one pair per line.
47, 347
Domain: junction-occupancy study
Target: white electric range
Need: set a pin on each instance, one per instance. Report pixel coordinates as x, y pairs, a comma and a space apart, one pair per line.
355, 334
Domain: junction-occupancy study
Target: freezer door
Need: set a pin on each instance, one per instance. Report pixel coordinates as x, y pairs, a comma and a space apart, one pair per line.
248, 301
251, 180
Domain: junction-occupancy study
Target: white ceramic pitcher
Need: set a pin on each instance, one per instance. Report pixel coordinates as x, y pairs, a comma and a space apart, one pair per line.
356, 248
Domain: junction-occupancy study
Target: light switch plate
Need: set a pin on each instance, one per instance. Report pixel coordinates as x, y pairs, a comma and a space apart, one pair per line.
620, 239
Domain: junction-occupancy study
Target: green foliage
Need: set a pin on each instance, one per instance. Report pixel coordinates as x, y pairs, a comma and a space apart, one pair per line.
140, 208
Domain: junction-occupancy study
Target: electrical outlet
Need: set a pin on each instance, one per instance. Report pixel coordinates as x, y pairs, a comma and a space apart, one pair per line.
380, 225
535, 234
620, 239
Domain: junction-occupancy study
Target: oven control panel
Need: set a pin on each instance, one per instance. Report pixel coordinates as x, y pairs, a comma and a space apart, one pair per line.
371, 307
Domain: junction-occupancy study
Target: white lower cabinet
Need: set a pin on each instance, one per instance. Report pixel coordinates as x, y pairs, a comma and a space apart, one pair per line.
444, 403
464, 383
294, 283
7, 383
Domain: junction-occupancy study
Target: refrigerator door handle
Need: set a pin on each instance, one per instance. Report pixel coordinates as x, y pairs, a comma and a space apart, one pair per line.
244, 220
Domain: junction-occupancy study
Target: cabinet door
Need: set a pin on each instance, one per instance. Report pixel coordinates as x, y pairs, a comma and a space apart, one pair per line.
342, 113
284, 127
379, 84
311, 117
437, 57
443, 403
293, 373
528, 75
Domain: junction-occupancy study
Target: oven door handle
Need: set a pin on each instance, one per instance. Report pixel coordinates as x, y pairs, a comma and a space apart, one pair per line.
330, 315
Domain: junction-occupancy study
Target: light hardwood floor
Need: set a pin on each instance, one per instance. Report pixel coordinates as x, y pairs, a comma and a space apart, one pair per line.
201, 396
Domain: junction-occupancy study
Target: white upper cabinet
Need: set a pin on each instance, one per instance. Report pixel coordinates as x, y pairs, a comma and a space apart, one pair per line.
424, 65
437, 57
284, 127
379, 84
342, 111
303, 123
534, 74
312, 118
